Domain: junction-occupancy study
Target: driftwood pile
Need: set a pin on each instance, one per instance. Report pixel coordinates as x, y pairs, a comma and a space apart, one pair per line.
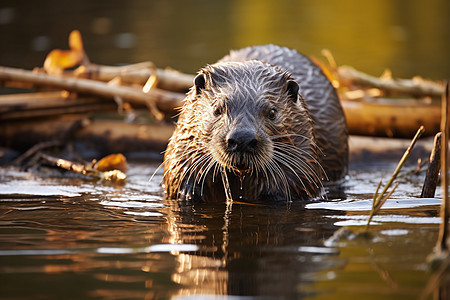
69, 89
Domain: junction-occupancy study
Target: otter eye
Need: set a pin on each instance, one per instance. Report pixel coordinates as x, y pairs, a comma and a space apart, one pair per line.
272, 114
217, 110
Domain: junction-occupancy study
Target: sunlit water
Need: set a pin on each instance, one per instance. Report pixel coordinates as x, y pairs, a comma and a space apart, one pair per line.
72, 238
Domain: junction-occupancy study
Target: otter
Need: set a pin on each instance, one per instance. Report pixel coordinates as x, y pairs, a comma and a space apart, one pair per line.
262, 123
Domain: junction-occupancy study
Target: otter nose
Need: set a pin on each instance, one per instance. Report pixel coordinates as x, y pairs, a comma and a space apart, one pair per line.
242, 140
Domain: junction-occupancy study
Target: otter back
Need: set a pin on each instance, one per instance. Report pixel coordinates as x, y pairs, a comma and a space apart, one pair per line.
262, 123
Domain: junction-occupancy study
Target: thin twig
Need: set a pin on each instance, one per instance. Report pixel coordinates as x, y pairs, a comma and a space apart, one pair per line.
36, 148
88, 170
66, 136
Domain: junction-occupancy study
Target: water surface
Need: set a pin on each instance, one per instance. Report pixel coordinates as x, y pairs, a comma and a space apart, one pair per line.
72, 238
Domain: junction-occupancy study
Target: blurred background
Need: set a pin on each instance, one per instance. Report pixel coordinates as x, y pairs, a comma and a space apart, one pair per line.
411, 37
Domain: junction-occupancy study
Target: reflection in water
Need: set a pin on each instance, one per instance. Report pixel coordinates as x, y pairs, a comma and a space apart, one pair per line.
122, 242
246, 252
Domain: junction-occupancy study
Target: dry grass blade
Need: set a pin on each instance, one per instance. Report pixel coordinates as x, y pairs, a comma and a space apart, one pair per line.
378, 199
382, 201
376, 206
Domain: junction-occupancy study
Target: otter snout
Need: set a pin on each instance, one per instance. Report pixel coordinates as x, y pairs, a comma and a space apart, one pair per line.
242, 140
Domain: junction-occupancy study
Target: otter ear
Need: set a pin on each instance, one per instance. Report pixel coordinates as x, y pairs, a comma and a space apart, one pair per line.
199, 83
292, 90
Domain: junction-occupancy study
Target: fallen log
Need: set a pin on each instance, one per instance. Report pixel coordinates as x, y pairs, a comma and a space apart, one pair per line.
364, 117
416, 87
45, 104
166, 101
95, 139
170, 80
391, 119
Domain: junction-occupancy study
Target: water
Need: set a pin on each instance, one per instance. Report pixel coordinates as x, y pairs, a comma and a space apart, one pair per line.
71, 238
410, 37
63, 238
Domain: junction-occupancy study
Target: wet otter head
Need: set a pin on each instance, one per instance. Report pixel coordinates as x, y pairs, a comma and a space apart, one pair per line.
244, 120
248, 106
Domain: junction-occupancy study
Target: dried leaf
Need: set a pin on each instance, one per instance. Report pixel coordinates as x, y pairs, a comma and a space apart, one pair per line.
75, 41
58, 60
112, 162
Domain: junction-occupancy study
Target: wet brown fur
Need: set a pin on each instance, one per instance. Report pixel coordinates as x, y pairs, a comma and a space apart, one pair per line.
287, 161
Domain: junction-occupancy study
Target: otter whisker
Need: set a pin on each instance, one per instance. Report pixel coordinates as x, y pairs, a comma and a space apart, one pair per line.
311, 140
200, 170
262, 166
211, 163
286, 164
217, 168
304, 168
279, 178
190, 152
273, 173
310, 180
291, 153
188, 169
283, 179
298, 161
291, 163
156, 171
185, 164
300, 153
196, 168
